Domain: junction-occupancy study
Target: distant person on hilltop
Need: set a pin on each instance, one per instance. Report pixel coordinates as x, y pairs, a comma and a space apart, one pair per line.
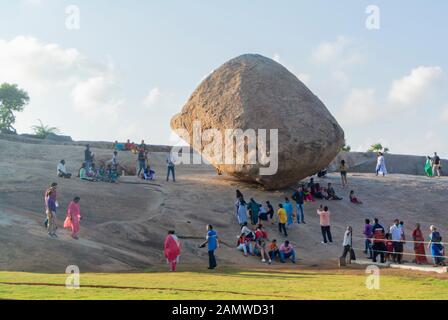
141, 162
172, 249
436, 167
62, 171
428, 166
381, 164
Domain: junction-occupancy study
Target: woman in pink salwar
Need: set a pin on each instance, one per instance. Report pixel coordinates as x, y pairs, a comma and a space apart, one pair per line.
172, 249
74, 215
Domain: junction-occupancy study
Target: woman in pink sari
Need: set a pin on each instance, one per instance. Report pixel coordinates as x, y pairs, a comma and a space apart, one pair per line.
73, 217
172, 249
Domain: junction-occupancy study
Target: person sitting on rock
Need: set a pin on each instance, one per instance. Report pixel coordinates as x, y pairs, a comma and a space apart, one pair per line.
353, 198
83, 173
273, 250
287, 251
308, 197
317, 192
331, 193
62, 171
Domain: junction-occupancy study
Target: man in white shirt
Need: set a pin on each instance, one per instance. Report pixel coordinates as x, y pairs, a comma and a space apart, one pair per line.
397, 237
62, 171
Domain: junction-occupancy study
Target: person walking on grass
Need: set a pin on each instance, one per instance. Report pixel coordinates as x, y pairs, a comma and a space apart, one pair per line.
172, 250
212, 243
51, 215
282, 219
324, 219
72, 221
299, 198
170, 167
347, 243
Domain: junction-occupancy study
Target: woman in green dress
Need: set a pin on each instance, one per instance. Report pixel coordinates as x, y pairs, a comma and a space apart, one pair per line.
428, 167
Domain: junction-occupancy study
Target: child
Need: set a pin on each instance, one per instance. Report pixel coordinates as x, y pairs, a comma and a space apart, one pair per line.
389, 247
353, 199
308, 197
273, 250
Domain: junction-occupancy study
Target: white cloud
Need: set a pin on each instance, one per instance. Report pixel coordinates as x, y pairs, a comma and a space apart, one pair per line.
411, 88
444, 115
359, 107
341, 51
152, 97
62, 83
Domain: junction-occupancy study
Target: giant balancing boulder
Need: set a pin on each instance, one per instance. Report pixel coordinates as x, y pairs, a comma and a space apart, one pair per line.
255, 92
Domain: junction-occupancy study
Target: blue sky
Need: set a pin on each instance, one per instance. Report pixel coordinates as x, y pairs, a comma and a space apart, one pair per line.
133, 64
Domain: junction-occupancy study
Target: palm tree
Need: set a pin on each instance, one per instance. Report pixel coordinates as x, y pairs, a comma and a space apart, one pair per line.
377, 147
42, 131
346, 148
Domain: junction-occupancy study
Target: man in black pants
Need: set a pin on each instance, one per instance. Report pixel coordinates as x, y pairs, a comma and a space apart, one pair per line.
212, 243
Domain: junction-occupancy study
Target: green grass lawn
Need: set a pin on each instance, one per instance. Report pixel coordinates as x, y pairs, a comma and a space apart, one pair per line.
222, 284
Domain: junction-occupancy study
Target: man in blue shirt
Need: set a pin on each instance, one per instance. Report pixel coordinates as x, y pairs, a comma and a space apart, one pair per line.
212, 243
51, 215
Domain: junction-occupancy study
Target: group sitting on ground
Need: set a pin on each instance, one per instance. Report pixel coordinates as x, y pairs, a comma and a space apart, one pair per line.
254, 243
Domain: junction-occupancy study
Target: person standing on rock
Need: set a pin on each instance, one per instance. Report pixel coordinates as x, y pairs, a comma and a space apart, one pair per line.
347, 243
381, 165
51, 191
172, 250
141, 161
299, 197
88, 157
282, 219
436, 247
170, 167
51, 215
212, 243
289, 211
241, 212
428, 167
343, 168
436, 167
74, 216
254, 209
324, 220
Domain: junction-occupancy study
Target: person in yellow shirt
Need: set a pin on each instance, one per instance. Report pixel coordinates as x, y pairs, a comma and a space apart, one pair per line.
282, 219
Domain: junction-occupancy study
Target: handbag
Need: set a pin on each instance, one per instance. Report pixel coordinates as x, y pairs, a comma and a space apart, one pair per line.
68, 223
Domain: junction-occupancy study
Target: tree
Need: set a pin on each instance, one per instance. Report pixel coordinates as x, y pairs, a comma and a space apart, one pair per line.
42, 131
377, 147
346, 148
11, 99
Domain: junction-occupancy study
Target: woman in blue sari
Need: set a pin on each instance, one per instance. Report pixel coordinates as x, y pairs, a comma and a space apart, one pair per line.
436, 247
